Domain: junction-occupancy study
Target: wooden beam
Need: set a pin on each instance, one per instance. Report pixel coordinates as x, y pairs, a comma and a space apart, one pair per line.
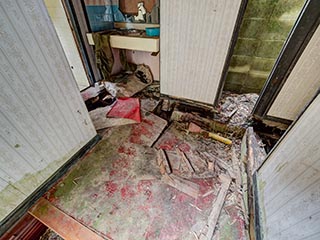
216, 208
64, 225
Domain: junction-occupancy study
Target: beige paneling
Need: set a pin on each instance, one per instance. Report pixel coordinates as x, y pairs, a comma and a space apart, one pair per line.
42, 116
302, 83
289, 181
61, 24
195, 39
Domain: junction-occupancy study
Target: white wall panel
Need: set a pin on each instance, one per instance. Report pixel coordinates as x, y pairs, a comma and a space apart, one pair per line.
195, 39
302, 83
42, 116
289, 181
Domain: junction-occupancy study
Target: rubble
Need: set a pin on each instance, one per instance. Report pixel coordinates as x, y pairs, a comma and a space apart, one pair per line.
197, 158
236, 109
50, 235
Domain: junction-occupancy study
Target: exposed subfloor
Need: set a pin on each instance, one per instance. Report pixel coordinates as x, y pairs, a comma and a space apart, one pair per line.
119, 192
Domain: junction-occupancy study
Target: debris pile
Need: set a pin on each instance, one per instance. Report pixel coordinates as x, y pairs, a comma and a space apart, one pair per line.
50, 235
186, 154
111, 104
200, 144
236, 109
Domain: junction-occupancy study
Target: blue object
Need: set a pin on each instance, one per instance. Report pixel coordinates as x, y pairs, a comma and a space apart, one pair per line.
153, 32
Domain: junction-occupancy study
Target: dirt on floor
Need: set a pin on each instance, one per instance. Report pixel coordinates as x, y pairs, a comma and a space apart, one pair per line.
177, 173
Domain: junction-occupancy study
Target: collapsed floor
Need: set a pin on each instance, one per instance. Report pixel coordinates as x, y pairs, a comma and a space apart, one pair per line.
161, 174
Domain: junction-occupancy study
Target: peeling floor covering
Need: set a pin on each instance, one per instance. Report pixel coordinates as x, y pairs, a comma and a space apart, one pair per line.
116, 189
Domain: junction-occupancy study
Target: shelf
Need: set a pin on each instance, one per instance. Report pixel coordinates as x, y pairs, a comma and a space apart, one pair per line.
147, 44
138, 26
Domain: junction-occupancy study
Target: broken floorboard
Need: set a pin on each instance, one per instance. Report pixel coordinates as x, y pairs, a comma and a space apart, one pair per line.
117, 191
144, 133
216, 209
232, 223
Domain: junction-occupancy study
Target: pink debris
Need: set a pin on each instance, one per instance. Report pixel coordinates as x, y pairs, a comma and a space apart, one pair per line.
126, 108
194, 128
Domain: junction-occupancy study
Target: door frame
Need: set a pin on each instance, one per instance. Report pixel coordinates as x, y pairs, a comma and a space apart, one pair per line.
298, 39
232, 45
79, 23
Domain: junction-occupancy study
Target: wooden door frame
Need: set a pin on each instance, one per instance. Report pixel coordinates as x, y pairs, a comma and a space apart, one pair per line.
79, 23
232, 45
298, 39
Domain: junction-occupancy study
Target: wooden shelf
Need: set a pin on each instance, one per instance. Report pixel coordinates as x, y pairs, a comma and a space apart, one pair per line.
147, 44
138, 26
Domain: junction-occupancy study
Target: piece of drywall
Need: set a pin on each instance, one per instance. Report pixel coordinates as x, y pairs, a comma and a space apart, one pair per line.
61, 24
42, 115
289, 181
195, 40
302, 83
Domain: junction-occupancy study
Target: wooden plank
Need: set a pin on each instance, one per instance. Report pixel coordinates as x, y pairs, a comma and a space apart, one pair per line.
216, 208
138, 26
163, 162
181, 184
236, 167
27, 228
185, 160
64, 225
147, 44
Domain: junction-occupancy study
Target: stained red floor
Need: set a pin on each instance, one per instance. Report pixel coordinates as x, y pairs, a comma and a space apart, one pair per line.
116, 190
